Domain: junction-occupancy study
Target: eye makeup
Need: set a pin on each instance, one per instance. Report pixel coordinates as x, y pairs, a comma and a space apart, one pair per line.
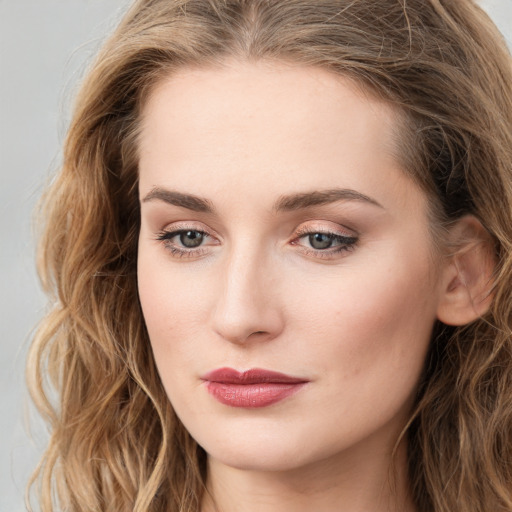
187, 241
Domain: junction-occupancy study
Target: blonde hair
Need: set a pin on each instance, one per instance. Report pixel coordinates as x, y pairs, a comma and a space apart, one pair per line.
116, 444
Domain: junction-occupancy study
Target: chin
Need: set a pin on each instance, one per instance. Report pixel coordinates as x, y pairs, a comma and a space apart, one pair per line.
264, 448
260, 459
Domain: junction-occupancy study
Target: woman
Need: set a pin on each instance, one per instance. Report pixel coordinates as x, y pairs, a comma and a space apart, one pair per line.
279, 254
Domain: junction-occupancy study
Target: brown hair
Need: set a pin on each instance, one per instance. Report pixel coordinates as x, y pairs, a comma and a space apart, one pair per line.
116, 444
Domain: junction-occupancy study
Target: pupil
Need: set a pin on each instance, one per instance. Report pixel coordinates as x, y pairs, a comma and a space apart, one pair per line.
191, 238
320, 241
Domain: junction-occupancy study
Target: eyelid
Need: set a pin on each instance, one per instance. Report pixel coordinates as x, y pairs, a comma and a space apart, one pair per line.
327, 227
187, 225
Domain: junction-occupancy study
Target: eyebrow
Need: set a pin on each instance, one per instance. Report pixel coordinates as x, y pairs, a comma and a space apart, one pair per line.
188, 201
289, 202
316, 198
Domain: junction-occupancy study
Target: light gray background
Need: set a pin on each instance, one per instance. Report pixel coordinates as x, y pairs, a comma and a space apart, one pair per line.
44, 45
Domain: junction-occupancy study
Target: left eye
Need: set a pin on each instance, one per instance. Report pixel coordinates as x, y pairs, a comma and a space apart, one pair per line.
322, 241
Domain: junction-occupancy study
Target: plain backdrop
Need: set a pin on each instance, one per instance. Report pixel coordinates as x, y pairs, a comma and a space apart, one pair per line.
44, 47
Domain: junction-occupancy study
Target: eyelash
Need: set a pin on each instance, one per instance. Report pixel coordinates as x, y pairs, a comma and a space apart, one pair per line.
346, 243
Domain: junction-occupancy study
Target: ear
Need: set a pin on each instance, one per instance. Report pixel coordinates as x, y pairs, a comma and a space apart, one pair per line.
466, 292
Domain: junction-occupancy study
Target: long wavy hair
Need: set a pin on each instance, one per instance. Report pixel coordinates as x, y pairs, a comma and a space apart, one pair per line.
116, 444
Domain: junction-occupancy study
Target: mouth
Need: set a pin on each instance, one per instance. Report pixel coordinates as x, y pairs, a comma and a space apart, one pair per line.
251, 389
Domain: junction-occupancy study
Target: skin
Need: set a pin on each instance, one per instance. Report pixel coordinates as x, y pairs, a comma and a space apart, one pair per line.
355, 323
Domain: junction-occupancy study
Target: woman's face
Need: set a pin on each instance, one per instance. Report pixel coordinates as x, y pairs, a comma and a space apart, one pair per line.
279, 234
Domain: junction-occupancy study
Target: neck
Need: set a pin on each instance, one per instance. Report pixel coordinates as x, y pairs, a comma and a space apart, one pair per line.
339, 484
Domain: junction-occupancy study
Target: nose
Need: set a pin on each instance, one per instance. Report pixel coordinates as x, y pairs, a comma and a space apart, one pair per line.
248, 304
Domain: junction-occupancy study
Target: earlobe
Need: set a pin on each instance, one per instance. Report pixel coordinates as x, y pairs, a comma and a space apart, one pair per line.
467, 280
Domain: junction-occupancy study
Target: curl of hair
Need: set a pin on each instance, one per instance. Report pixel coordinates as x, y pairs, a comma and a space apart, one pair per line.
116, 444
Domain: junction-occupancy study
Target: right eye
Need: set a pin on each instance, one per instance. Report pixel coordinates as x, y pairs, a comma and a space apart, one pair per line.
184, 242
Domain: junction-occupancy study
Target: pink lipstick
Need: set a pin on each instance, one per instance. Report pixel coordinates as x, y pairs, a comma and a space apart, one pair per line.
252, 388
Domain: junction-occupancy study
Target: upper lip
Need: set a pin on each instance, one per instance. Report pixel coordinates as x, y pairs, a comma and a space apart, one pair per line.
252, 376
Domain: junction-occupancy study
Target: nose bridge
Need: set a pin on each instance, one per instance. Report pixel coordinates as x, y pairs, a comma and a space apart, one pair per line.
247, 302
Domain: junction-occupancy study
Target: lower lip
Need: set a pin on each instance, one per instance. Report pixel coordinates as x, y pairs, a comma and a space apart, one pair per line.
251, 396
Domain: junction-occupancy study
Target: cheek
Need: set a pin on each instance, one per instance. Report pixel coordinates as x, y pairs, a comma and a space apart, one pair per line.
171, 307
370, 320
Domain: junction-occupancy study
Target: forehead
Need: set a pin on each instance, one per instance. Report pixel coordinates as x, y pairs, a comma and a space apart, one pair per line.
244, 123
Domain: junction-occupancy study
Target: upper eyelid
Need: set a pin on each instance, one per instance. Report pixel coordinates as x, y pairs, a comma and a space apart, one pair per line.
340, 230
327, 231
189, 226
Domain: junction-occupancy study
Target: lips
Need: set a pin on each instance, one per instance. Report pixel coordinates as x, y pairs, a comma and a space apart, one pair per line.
252, 388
